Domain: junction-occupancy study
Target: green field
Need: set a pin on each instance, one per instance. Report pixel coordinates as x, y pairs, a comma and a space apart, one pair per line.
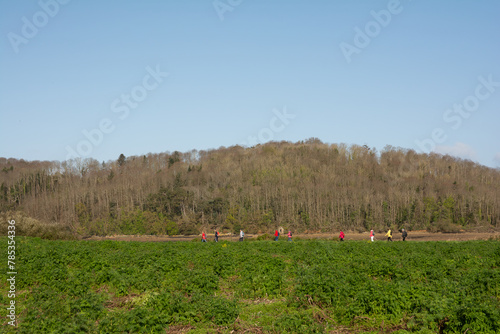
307, 286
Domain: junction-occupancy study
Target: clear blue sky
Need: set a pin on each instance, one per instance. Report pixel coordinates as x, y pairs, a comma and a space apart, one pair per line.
356, 72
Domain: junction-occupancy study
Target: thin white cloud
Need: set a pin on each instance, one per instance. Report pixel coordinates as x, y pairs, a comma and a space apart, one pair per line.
496, 159
459, 150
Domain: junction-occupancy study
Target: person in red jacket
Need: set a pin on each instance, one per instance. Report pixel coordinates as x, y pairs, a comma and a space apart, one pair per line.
341, 236
289, 235
203, 237
276, 235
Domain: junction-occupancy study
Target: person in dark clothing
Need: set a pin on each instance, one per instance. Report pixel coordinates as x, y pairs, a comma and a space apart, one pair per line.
404, 234
216, 236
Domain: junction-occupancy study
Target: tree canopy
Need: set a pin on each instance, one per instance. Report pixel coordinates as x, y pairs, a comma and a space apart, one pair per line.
304, 186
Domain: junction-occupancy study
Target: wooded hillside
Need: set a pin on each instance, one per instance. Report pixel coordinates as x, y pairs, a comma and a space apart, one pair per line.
304, 186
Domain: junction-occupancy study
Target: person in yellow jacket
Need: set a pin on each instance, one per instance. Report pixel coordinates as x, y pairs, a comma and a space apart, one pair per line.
389, 235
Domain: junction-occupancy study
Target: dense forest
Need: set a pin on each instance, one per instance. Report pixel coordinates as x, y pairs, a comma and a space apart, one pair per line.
304, 186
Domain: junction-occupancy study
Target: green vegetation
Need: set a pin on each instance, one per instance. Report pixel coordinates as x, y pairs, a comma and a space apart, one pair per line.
313, 286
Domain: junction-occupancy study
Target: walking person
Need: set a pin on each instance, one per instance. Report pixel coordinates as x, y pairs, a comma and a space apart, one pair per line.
289, 235
372, 235
341, 236
216, 236
276, 235
404, 234
242, 235
389, 235
203, 237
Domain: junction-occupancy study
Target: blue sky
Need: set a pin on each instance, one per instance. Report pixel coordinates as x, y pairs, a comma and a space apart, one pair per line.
97, 79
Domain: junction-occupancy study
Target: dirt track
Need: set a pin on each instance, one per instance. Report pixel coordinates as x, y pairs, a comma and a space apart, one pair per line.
412, 236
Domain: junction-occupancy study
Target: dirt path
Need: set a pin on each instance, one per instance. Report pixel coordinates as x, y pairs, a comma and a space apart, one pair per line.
412, 236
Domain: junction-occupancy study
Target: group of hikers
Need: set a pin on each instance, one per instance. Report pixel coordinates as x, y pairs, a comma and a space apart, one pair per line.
216, 235
404, 235
277, 235
204, 236
242, 235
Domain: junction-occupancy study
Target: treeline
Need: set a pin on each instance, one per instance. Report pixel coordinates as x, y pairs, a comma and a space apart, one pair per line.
304, 186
